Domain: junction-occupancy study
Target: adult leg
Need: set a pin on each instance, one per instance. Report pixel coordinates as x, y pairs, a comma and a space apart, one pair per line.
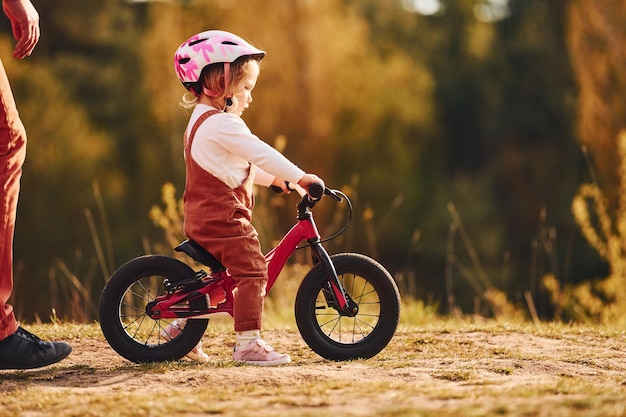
19, 349
12, 154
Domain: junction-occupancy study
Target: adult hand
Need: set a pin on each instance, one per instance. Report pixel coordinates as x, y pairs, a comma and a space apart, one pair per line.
25, 24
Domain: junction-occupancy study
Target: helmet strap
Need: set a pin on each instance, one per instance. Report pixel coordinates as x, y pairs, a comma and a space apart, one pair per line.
213, 93
226, 74
229, 100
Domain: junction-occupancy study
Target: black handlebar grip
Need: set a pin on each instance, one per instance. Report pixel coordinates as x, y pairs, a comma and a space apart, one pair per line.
316, 190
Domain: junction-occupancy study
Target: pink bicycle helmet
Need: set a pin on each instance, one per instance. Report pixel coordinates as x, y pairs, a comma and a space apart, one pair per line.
209, 47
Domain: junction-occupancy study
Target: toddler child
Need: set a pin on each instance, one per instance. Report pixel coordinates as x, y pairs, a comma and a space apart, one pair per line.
224, 159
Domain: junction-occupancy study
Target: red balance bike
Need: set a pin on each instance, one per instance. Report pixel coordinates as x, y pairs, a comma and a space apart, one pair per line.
347, 306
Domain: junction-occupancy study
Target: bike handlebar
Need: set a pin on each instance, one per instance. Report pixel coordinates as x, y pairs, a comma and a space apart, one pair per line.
315, 192
308, 200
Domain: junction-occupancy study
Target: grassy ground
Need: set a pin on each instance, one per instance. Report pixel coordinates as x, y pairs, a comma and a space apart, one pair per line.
439, 367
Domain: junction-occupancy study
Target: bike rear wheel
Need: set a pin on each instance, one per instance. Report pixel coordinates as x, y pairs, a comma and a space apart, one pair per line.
127, 327
337, 337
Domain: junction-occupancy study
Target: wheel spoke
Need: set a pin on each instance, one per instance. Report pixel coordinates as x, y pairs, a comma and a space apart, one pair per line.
337, 327
140, 296
133, 317
339, 334
363, 332
334, 319
364, 294
141, 312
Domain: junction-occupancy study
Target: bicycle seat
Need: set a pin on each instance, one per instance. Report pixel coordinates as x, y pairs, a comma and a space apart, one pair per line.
199, 254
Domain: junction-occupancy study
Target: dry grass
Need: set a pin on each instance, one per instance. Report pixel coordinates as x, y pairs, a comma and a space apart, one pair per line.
443, 368
461, 366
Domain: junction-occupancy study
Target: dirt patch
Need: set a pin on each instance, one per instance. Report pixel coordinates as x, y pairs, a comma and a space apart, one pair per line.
480, 372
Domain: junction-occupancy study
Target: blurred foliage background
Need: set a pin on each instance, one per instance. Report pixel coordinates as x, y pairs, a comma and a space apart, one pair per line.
462, 130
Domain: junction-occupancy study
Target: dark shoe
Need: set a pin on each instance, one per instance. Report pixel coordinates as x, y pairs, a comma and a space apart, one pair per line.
24, 350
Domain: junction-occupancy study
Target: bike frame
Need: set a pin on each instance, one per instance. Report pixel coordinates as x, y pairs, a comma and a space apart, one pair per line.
220, 285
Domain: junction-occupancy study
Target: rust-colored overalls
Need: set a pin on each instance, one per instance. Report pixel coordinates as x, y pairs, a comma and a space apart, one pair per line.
219, 218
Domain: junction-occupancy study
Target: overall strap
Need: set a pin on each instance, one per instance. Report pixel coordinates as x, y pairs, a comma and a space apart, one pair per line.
196, 125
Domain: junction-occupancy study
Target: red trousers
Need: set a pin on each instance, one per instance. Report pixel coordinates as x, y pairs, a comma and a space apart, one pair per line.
12, 154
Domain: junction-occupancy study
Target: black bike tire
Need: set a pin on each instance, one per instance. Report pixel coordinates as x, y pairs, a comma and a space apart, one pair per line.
383, 331
111, 300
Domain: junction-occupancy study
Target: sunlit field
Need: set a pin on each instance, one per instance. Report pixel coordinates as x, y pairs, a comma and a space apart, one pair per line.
433, 366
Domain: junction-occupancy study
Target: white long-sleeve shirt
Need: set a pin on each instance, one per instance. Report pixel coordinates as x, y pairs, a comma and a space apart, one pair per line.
224, 146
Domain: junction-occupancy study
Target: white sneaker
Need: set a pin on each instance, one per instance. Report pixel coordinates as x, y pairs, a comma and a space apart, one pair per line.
259, 353
173, 329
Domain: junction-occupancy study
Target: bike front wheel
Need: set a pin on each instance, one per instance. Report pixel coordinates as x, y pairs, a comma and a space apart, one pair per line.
128, 328
336, 337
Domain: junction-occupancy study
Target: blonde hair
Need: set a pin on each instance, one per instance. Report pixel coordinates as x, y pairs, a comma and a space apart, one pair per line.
212, 78
188, 101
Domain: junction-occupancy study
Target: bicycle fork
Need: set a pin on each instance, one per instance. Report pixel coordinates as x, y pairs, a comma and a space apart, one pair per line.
335, 295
